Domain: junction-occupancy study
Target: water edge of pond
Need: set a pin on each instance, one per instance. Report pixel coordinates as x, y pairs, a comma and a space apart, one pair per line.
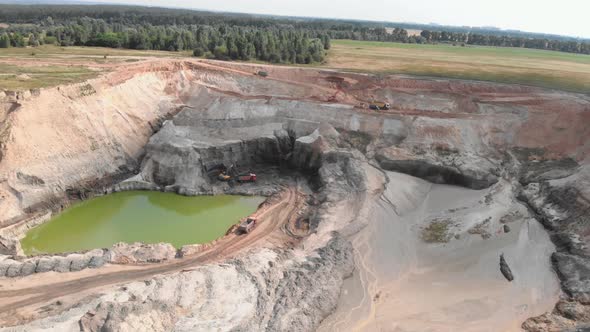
139, 216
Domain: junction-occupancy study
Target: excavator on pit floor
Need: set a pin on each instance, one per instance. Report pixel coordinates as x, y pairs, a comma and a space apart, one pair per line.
226, 173
230, 173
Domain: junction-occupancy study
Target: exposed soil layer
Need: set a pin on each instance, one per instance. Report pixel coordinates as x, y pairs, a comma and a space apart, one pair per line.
164, 124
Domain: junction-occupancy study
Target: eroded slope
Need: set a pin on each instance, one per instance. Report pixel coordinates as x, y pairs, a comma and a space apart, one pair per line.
475, 135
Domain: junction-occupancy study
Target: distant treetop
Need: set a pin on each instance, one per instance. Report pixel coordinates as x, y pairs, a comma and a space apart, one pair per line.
238, 36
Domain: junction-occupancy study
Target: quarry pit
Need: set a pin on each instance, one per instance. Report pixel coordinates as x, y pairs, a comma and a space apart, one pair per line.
367, 212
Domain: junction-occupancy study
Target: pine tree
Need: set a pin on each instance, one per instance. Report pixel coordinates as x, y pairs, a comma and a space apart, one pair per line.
4, 41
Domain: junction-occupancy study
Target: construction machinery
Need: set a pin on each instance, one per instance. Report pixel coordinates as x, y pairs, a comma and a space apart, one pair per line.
249, 177
223, 177
214, 170
247, 225
221, 172
226, 174
379, 106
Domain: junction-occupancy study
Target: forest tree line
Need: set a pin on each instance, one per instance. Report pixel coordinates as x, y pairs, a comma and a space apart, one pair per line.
219, 40
462, 38
229, 36
223, 42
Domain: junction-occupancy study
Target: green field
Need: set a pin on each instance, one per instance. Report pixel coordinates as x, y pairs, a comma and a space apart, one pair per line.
51, 51
30, 77
48, 65
557, 70
53, 65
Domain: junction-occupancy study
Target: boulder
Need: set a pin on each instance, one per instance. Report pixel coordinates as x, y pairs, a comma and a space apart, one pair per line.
505, 269
62, 264
5, 265
28, 268
91, 321
96, 261
14, 270
46, 264
96, 258
78, 262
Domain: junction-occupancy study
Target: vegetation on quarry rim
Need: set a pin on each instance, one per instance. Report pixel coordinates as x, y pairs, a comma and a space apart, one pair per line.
548, 69
31, 77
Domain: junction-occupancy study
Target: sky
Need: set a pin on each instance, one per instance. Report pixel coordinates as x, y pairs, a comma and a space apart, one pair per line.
564, 17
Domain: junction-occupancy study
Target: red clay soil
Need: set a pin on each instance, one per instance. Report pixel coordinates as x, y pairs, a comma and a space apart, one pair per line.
555, 121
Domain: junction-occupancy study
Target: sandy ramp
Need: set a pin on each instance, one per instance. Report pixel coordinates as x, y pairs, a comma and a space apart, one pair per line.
405, 284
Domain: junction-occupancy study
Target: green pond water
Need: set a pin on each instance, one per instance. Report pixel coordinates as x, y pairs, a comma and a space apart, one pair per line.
139, 216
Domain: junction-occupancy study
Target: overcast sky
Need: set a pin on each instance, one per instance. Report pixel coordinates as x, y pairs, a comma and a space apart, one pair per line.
566, 17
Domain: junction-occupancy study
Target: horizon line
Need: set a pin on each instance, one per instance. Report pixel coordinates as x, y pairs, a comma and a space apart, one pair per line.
197, 9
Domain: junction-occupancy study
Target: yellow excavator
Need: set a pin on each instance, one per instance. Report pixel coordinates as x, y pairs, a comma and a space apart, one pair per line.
223, 177
226, 174
377, 105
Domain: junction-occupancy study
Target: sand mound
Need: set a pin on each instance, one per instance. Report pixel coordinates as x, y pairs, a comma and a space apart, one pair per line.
23, 77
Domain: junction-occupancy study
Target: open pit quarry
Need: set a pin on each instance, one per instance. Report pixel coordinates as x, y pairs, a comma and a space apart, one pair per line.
390, 220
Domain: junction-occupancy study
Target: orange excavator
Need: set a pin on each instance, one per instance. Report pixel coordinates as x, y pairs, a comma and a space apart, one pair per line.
228, 174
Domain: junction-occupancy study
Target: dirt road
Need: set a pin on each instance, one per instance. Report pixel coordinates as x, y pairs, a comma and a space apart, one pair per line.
271, 218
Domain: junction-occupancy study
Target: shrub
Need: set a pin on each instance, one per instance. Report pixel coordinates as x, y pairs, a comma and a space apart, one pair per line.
198, 52
50, 40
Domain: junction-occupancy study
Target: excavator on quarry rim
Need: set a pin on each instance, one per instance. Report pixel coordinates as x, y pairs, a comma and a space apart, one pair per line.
378, 105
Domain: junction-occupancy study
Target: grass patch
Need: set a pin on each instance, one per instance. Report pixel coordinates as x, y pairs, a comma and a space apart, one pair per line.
25, 77
481, 229
51, 51
87, 90
437, 231
52, 73
555, 70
